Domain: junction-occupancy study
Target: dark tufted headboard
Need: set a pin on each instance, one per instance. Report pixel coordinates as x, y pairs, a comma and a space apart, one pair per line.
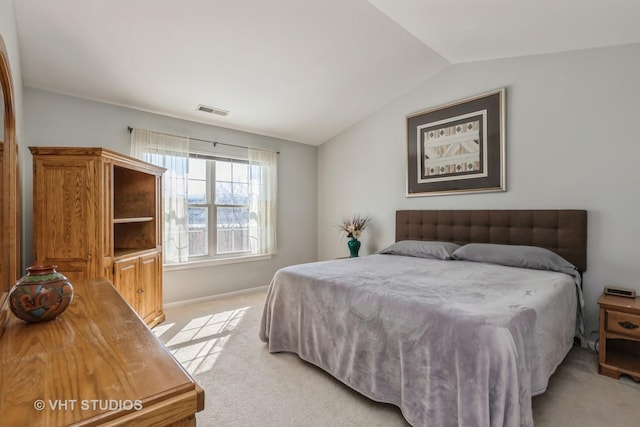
561, 231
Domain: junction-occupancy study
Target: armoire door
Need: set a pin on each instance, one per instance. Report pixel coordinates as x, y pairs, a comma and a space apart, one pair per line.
65, 215
126, 279
149, 292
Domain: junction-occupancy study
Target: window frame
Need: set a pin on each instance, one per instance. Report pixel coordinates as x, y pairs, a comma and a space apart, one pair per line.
212, 206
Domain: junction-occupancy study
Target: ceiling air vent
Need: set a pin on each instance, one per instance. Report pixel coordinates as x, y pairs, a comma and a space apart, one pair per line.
212, 110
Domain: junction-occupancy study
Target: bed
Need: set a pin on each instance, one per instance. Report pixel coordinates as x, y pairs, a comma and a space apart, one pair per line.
458, 323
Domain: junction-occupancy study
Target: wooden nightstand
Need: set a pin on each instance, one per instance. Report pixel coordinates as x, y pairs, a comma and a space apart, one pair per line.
619, 336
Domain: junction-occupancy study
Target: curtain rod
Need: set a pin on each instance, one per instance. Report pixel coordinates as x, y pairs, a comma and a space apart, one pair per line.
210, 142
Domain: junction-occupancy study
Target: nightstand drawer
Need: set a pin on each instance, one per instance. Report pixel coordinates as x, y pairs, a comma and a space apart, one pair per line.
623, 323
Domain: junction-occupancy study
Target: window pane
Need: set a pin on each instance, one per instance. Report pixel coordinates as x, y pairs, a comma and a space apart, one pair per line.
241, 239
198, 231
223, 171
240, 194
225, 242
242, 214
232, 183
233, 229
197, 191
197, 168
197, 184
224, 193
240, 172
225, 217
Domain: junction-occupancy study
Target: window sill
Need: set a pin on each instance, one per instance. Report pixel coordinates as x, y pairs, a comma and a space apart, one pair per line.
214, 262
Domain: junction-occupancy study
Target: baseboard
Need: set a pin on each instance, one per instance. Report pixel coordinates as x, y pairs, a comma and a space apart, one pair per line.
213, 297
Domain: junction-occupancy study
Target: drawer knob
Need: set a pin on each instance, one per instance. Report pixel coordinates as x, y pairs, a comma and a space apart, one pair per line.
628, 325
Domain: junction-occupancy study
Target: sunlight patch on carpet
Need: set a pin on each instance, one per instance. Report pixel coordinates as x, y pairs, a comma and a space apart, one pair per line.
159, 330
198, 344
200, 357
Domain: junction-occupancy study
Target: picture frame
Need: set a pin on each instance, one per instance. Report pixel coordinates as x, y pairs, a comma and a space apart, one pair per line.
458, 147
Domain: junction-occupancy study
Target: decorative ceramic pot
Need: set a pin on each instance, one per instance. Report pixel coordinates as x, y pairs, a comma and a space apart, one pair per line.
40, 295
354, 247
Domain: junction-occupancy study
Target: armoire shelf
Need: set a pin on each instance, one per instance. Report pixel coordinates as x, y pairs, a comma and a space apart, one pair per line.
129, 220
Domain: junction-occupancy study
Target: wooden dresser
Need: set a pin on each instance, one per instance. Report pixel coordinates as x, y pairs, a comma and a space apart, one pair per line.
96, 364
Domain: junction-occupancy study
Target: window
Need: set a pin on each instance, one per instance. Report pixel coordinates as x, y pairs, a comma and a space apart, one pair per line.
216, 204
218, 200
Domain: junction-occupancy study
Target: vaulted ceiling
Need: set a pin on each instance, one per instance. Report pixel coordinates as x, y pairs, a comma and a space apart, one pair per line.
301, 70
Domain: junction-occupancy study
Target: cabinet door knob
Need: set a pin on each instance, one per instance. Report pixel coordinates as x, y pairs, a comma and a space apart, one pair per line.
628, 325
142, 290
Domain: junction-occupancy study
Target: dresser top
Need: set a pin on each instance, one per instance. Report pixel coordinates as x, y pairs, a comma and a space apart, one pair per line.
612, 301
98, 350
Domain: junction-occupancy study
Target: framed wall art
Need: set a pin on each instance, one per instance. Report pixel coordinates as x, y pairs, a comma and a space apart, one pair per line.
458, 147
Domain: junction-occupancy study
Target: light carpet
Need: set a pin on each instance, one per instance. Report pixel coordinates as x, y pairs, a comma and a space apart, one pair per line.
245, 385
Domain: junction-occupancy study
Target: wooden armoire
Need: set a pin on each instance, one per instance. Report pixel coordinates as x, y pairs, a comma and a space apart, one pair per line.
98, 213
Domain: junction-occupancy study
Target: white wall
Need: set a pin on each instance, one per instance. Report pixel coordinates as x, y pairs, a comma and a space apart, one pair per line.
572, 142
58, 120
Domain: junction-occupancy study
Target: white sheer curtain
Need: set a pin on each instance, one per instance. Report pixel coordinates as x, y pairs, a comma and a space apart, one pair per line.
263, 201
172, 153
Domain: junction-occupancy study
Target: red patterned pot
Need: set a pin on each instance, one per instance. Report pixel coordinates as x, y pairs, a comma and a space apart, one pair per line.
40, 295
